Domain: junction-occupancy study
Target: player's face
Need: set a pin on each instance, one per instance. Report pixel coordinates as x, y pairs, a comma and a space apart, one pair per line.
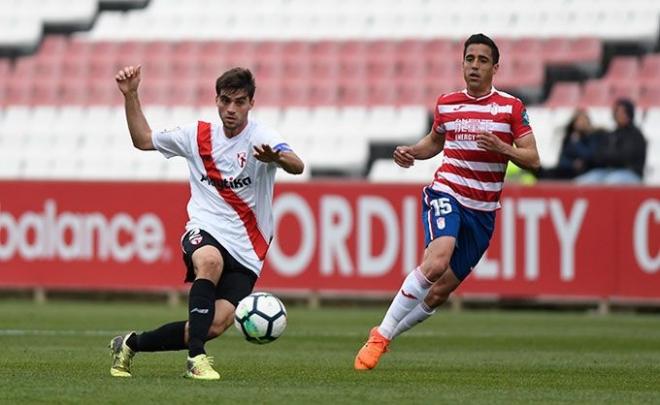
478, 68
233, 108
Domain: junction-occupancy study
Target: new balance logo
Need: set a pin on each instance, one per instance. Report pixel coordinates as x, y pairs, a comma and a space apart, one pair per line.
407, 295
201, 311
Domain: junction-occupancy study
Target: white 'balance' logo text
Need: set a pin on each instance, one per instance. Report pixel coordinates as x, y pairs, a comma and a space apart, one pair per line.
89, 236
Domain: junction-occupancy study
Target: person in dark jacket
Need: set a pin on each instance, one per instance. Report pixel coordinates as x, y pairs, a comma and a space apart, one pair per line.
619, 155
577, 149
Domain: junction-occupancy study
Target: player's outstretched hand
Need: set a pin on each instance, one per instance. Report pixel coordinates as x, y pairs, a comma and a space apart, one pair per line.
128, 79
266, 154
490, 142
403, 156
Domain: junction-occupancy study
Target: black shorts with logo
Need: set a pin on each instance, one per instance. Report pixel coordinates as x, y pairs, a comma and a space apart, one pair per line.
236, 281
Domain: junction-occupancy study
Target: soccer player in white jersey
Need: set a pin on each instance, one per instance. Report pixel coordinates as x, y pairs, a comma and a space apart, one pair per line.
232, 172
477, 129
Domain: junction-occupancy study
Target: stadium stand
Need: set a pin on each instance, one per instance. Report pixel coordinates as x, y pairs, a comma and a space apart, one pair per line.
333, 75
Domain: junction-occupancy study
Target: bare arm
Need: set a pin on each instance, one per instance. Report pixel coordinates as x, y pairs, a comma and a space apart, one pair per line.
128, 80
288, 161
524, 154
427, 147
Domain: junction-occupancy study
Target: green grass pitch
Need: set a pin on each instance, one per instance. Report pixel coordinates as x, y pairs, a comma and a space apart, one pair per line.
57, 353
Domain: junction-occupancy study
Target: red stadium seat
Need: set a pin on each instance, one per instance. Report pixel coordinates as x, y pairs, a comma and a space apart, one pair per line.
649, 95
623, 69
295, 92
181, 91
523, 49
381, 92
650, 70
45, 91
158, 50
352, 93
410, 91
381, 67
566, 94
103, 92
268, 93
205, 93
25, 68
528, 73
19, 91
239, 53
411, 67
585, 50
297, 65
410, 49
296, 49
207, 50
131, 53
79, 49
439, 48
191, 49
53, 45
555, 50
596, 93
629, 90
323, 93
74, 92
324, 69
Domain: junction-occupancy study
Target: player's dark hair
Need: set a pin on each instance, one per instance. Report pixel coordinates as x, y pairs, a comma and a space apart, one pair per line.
483, 39
236, 79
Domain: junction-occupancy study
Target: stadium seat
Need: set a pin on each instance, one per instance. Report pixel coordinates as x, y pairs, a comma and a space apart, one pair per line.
649, 69
595, 93
649, 95
622, 70
564, 94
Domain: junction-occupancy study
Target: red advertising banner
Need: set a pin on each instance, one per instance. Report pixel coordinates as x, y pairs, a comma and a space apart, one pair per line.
554, 240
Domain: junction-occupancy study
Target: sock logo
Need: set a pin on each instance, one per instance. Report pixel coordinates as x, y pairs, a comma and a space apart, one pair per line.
200, 310
407, 295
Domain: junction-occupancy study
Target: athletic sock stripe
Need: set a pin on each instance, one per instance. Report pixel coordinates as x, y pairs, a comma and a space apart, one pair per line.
242, 209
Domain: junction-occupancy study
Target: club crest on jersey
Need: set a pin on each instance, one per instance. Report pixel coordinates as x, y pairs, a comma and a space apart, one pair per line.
242, 159
195, 237
494, 109
440, 223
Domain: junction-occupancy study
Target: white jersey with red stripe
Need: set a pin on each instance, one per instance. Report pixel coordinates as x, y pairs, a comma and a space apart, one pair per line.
470, 174
231, 192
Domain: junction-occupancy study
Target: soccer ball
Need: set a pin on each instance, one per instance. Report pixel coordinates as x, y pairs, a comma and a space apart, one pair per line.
260, 317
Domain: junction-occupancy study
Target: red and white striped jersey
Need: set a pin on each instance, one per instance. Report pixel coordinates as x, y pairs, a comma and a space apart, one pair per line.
231, 192
470, 174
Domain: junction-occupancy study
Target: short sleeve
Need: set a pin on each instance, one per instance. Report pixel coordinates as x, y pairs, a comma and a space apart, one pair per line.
175, 141
438, 125
520, 125
272, 138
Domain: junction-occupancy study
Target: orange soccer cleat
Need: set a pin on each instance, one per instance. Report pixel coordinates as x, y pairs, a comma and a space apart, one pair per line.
368, 356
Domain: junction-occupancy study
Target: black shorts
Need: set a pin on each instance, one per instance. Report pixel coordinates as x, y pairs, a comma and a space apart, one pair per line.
236, 281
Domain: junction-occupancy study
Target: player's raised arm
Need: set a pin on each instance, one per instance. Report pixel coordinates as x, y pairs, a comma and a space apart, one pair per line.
427, 147
287, 160
128, 81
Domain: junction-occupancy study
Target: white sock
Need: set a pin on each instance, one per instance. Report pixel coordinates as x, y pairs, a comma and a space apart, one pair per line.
413, 290
419, 314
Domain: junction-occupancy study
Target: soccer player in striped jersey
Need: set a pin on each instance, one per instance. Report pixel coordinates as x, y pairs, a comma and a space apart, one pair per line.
479, 129
232, 168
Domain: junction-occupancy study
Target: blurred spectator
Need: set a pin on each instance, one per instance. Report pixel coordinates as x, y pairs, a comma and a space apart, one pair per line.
619, 155
577, 149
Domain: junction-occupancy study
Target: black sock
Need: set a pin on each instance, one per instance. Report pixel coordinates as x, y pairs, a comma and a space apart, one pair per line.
201, 310
168, 337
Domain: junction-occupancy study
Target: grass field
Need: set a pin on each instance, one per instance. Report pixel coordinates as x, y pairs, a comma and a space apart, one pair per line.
57, 353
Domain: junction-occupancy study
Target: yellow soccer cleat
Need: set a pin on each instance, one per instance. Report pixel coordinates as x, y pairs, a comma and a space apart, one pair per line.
200, 367
369, 355
122, 356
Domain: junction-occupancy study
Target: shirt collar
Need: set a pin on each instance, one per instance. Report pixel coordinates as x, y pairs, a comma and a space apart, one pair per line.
492, 91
